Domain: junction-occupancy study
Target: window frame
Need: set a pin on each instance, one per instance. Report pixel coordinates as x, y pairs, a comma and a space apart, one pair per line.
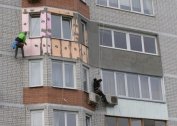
85, 38
90, 117
65, 115
130, 120
30, 73
37, 111
139, 83
63, 74
128, 41
87, 71
61, 25
32, 15
131, 7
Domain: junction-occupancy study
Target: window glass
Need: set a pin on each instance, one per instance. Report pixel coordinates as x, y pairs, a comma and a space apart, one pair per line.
148, 122
123, 122
108, 82
149, 45
71, 119
120, 40
88, 120
135, 122
148, 9
66, 28
135, 42
133, 86
125, 4
102, 2
160, 123
37, 118
69, 76
136, 5
120, 83
85, 78
35, 26
111, 121
83, 32
144, 87
156, 88
35, 73
105, 37
59, 118
113, 3
57, 74
56, 26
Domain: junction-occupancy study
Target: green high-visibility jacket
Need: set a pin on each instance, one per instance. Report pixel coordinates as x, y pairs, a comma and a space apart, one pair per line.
22, 36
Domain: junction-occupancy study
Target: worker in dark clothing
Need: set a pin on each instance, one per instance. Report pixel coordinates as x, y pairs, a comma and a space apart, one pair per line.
21, 40
96, 87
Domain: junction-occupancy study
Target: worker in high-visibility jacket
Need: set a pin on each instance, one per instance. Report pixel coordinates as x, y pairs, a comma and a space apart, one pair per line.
21, 40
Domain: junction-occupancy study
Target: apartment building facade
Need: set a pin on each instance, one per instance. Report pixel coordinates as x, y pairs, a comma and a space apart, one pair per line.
129, 44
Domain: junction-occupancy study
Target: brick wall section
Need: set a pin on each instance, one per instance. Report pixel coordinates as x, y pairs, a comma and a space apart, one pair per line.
56, 96
74, 5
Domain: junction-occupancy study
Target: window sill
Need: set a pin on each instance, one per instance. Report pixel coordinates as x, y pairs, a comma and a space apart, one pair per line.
145, 100
67, 88
37, 86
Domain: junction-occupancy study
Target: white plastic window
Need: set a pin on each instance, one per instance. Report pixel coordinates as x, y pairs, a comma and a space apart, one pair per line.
35, 73
35, 26
37, 118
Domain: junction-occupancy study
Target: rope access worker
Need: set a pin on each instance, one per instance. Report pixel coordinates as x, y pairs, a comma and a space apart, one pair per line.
20, 41
96, 87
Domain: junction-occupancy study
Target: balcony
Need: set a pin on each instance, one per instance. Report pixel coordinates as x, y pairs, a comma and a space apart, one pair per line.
73, 5
56, 47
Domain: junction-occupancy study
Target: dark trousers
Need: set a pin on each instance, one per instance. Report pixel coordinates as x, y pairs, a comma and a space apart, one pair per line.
19, 45
100, 93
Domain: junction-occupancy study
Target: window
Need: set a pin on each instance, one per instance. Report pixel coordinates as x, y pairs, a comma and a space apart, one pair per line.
35, 26
66, 28
154, 123
120, 79
85, 78
123, 122
160, 123
111, 121
125, 4
148, 122
105, 37
37, 118
113, 3
63, 74
108, 82
88, 120
135, 122
61, 27
138, 6
132, 85
120, 40
102, 2
149, 44
83, 34
156, 88
135, 42
35, 73
148, 8
63, 118
128, 41
145, 86
119, 121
